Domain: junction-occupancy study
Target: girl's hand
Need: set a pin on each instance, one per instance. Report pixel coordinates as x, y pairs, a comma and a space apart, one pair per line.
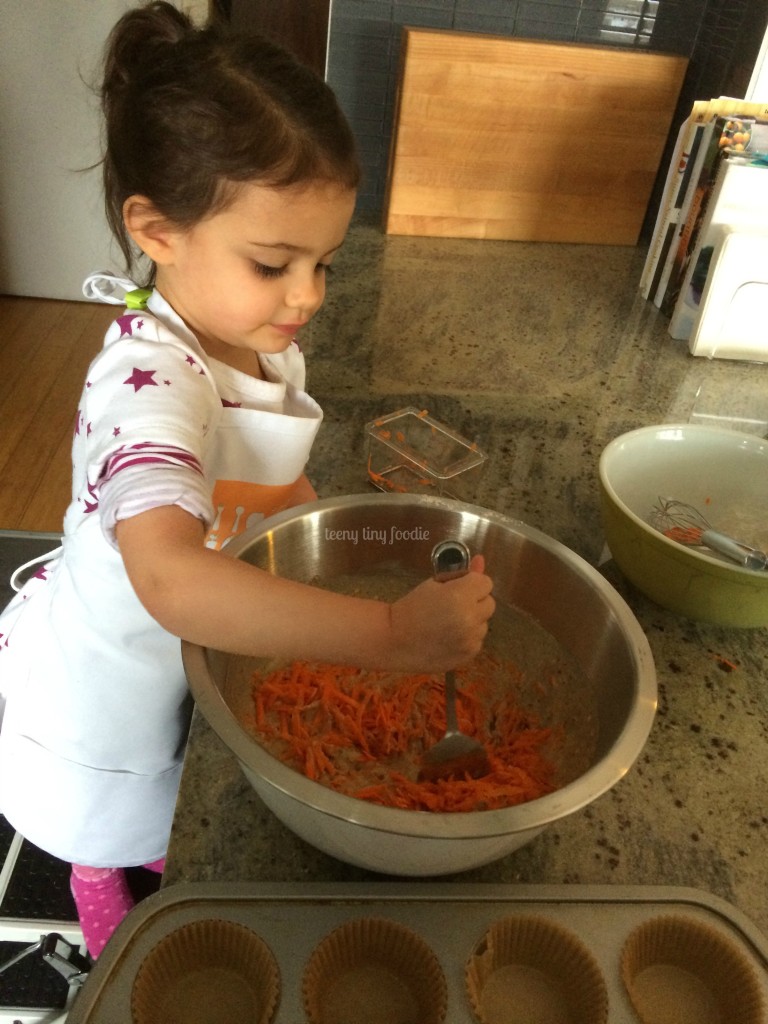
439, 626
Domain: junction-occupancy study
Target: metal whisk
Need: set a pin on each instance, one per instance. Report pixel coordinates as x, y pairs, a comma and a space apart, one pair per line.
686, 525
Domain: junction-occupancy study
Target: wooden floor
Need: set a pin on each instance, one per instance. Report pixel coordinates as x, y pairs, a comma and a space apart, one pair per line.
46, 346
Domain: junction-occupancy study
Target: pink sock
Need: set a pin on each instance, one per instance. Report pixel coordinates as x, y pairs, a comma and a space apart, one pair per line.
102, 898
158, 866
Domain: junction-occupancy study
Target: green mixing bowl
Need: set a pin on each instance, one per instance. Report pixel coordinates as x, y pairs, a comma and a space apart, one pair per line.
724, 474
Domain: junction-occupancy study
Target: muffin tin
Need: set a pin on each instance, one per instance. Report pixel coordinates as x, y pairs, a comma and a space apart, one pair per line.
603, 949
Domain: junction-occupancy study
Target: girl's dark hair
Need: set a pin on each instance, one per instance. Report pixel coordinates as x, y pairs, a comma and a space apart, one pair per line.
190, 112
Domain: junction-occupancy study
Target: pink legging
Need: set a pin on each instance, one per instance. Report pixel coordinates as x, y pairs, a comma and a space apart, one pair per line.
102, 898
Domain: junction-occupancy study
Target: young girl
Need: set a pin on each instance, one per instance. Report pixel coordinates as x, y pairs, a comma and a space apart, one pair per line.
231, 168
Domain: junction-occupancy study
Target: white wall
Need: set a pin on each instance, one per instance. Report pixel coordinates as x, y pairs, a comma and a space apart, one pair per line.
52, 229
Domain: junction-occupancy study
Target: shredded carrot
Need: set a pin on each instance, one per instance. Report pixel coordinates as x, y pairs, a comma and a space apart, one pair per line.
684, 534
382, 481
724, 663
364, 733
376, 478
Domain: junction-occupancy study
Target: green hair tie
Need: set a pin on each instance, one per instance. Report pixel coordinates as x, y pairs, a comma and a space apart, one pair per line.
138, 298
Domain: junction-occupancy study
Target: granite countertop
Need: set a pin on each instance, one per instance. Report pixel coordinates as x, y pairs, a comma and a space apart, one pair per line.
542, 354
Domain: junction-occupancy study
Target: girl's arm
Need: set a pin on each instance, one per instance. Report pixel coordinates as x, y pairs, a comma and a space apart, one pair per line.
209, 598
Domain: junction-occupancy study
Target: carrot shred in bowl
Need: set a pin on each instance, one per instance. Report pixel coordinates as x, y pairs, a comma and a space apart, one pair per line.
364, 733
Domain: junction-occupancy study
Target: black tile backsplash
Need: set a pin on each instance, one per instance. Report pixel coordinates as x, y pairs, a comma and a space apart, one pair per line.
718, 36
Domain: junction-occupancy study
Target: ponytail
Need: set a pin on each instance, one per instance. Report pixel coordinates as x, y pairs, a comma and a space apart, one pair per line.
136, 43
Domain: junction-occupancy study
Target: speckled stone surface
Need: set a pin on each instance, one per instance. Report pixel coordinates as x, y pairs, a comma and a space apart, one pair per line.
542, 354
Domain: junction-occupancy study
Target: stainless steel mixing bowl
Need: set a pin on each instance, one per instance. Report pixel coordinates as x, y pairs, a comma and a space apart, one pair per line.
361, 540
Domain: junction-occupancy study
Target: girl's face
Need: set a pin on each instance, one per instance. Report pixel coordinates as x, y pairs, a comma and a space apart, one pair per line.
247, 278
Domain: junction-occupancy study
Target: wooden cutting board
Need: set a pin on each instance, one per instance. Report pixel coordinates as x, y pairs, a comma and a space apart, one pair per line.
533, 141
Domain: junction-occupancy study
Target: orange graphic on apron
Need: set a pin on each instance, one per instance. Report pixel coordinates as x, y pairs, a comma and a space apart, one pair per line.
238, 505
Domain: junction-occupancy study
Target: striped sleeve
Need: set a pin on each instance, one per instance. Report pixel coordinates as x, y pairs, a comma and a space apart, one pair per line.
148, 454
145, 476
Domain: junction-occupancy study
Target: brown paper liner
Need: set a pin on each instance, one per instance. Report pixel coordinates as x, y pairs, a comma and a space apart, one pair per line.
538, 967
374, 971
207, 972
677, 970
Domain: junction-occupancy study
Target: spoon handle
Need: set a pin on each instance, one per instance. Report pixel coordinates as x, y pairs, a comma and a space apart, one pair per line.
750, 558
451, 718
450, 559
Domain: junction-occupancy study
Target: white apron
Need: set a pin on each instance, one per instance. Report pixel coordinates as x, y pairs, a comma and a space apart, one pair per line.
97, 706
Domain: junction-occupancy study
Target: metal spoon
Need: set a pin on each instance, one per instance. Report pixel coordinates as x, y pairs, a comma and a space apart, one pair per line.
456, 754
